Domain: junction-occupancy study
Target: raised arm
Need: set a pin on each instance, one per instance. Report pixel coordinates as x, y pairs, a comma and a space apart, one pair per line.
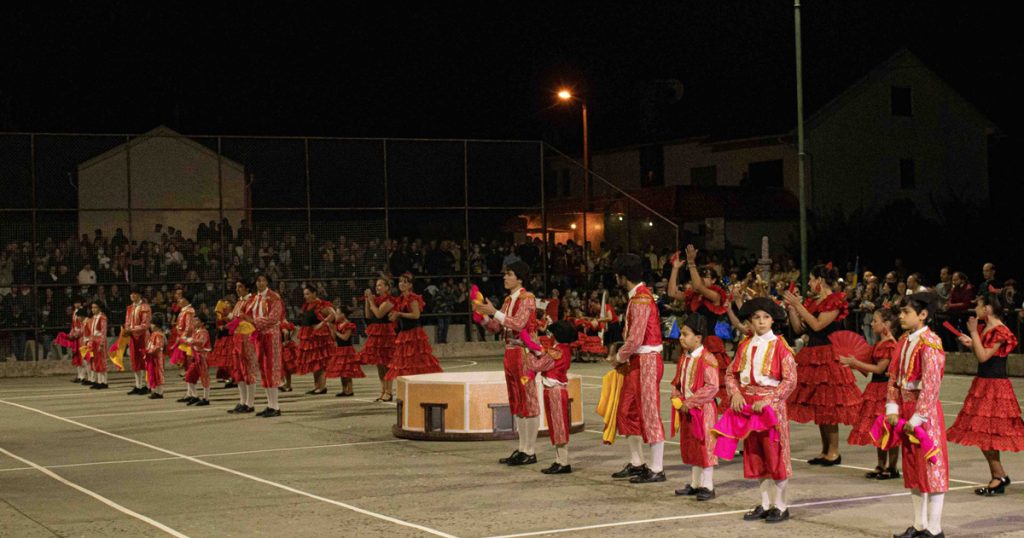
673, 278
696, 281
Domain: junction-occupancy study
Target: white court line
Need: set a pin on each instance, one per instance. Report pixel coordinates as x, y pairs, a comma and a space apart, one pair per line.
97, 496
471, 363
237, 473
702, 516
214, 455
136, 413
105, 392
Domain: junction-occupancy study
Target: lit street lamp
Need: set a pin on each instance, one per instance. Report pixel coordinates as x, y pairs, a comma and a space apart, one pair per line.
567, 96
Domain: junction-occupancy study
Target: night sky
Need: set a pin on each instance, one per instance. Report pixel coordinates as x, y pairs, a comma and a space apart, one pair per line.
461, 70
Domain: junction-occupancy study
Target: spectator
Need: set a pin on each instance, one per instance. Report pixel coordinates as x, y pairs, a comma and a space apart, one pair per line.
87, 276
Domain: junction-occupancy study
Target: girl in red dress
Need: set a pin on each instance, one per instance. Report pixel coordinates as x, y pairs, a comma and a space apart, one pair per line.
882, 323
289, 354
826, 392
708, 299
380, 333
222, 356
990, 418
590, 340
412, 354
316, 343
343, 362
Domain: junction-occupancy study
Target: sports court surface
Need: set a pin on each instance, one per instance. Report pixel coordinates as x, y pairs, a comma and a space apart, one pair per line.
78, 462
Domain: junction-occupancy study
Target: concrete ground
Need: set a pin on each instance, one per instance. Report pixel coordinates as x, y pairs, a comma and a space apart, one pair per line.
75, 462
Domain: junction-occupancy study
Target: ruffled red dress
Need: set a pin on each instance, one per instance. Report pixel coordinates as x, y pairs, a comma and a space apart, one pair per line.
222, 356
412, 354
289, 350
315, 345
990, 418
590, 342
380, 336
343, 362
874, 396
826, 391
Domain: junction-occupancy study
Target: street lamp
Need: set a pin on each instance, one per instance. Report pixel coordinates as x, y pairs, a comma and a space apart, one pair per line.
566, 95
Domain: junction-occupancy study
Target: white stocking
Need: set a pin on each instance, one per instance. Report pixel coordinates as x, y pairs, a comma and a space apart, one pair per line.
532, 427
767, 492
272, 398
695, 473
562, 454
780, 495
707, 478
242, 386
920, 509
657, 456
636, 457
935, 501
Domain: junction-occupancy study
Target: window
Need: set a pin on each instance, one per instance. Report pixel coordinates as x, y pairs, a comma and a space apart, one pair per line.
433, 417
901, 102
704, 176
765, 174
907, 178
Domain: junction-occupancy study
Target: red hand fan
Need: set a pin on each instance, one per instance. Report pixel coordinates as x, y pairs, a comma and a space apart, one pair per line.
949, 327
792, 287
850, 344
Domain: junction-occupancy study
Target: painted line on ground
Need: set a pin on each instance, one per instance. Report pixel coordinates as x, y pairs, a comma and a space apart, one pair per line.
704, 516
214, 455
97, 496
271, 483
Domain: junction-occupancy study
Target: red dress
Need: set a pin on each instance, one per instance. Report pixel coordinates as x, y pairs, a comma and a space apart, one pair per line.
873, 398
990, 418
380, 336
343, 361
289, 350
412, 354
222, 357
78, 339
826, 390
590, 342
315, 345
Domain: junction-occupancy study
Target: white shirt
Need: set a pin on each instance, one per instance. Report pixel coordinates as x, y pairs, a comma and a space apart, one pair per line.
756, 353
892, 408
687, 363
499, 315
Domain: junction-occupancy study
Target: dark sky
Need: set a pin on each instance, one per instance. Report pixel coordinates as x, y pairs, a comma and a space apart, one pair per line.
481, 69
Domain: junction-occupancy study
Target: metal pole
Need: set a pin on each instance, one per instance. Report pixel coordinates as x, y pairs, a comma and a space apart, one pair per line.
801, 156
36, 322
309, 212
387, 217
131, 214
586, 194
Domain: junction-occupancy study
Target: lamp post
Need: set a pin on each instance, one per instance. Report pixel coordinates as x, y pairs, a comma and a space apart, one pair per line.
566, 95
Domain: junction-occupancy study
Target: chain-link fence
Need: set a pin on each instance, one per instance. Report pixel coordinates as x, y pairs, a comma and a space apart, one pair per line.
87, 217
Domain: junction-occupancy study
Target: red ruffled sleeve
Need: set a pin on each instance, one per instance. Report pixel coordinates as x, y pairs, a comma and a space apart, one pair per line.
836, 301
1002, 339
883, 351
694, 300
406, 302
347, 326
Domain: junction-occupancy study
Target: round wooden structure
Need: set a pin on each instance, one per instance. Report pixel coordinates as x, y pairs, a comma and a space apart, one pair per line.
467, 406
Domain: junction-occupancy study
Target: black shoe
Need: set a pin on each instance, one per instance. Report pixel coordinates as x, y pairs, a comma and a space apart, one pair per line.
648, 477
202, 403
557, 468
757, 513
76, 380
989, 491
230, 385
523, 459
830, 463
237, 409
272, 413
344, 394
316, 392
629, 470
248, 409
776, 516
688, 490
144, 391
191, 400
284, 389
705, 494
815, 461
876, 473
909, 533
133, 391
88, 383
510, 458
888, 474
156, 396
99, 386
928, 534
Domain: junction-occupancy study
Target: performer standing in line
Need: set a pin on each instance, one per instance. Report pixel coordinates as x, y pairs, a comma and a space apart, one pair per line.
96, 329
245, 366
380, 334
827, 392
344, 363
222, 356
413, 354
990, 418
553, 364
517, 313
199, 341
183, 331
708, 299
75, 335
267, 314
289, 355
316, 344
639, 412
883, 321
915, 379
85, 314
155, 361
136, 325
764, 374
694, 386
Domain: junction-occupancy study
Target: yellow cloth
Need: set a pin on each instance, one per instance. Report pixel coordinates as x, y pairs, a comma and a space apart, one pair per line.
186, 348
222, 310
608, 405
117, 357
245, 328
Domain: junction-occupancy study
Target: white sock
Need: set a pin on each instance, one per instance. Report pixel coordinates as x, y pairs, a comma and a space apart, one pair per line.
159, 389
707, 478
636, 456
780, 495
695, 476
935, 501
657, 456
92, 375
272, 398
562, 455
81, 372
241, 392
521, 430
920, 509
102, 378
250, 395
206, 393
532, 427
767, 486
138, 380
190, 389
